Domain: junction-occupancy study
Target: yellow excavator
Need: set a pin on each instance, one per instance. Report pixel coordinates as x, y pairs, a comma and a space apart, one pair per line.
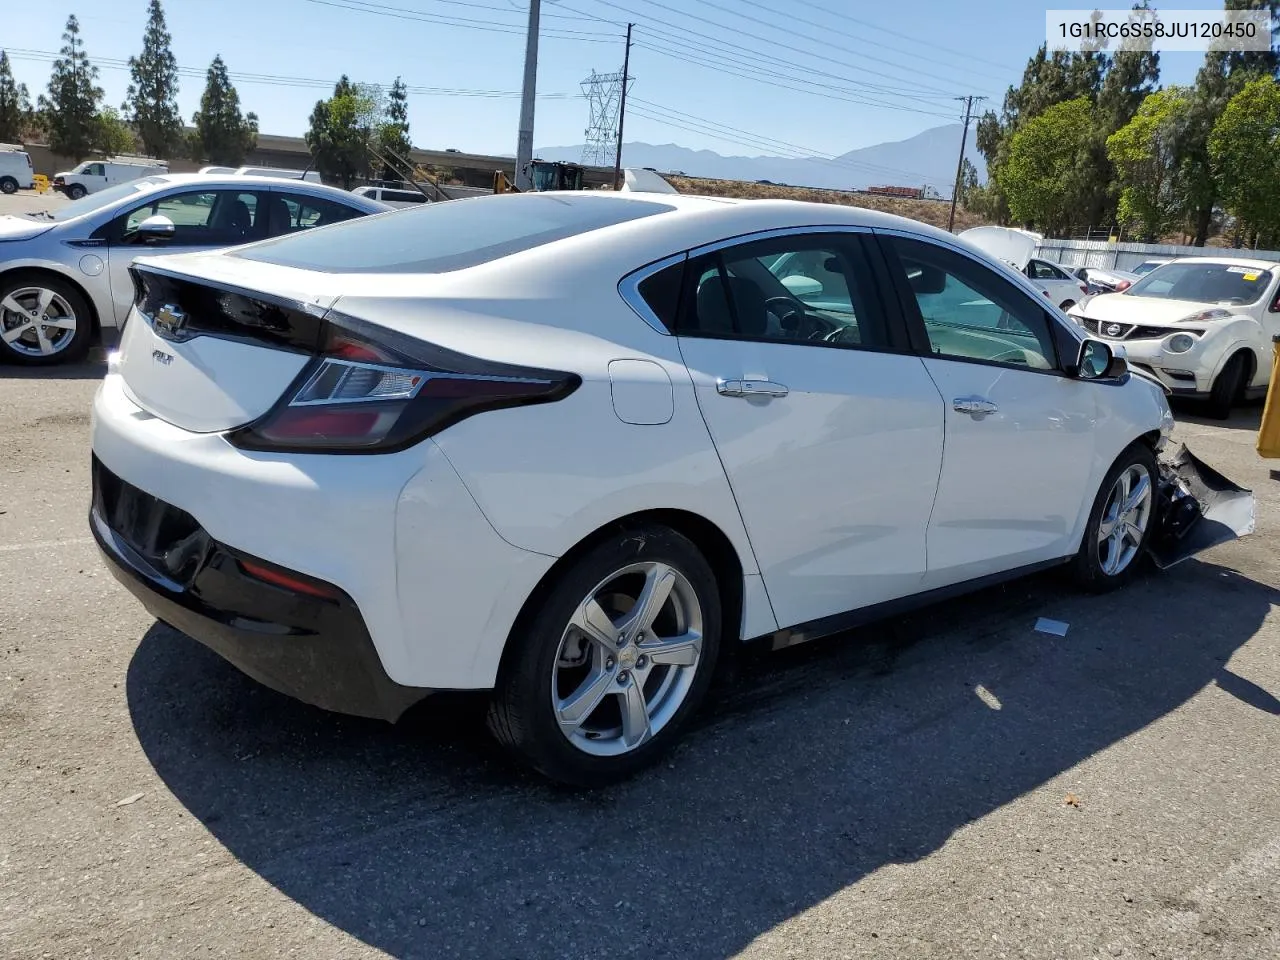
545, 175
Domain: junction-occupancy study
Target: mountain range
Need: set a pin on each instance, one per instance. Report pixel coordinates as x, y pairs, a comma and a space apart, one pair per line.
928, 159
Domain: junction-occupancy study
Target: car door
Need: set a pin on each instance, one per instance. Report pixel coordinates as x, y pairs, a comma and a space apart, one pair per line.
203, 219
1019, 431
829, 429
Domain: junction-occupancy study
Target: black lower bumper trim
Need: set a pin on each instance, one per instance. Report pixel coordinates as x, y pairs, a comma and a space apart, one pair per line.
314, 649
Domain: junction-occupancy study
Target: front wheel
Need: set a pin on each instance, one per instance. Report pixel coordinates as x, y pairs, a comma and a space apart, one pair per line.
75, 191
1066, 305
8, 185
603, 676
1121, 522
43, 320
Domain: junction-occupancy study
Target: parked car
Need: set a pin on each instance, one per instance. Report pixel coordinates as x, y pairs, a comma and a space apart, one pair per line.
65, 272
1201, 325
1105, 280
1017, 248
572, 447
1146, 266
95, 175
16, 172
392, 196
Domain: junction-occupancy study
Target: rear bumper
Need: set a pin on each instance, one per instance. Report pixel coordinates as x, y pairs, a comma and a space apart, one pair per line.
314, 648
436, 589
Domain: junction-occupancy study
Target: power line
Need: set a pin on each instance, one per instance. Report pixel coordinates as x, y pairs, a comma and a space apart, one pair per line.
116, 63
930, 44
773, 42
757, 71
760, 75
759, 62
467, 23
818, 40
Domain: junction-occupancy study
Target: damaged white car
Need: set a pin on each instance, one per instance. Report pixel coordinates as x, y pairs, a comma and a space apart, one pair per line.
572, 448
1202, 326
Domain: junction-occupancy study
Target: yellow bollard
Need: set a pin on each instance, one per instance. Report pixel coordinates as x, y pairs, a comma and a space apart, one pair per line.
1269, 431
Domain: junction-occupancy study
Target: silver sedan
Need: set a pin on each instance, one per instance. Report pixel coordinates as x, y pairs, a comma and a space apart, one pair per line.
64, 274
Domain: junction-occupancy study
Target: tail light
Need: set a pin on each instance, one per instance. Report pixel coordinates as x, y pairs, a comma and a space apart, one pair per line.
1123, 285
1083, 288
373, 390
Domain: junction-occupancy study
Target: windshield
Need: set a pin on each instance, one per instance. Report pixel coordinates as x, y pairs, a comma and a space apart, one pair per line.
439, 237
103, 198
1225, 283
1143, 269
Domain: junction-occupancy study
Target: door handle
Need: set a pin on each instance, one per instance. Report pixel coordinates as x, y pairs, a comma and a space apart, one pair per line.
976, 407
750, 388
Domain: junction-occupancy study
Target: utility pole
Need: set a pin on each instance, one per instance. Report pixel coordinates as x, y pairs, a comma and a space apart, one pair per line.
622, 111
964, 136
524, 140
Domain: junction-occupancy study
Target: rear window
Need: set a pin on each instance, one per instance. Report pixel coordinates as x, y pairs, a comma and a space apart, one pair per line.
439, 237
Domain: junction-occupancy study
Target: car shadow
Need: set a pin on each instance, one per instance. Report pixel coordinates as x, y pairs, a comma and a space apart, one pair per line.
1246, 416
94, 367
812, 768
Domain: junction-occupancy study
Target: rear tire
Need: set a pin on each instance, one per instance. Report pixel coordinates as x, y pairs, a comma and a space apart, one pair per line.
1227, 388
588, 711
1121, 522
1066, 305
8, 185
75, 191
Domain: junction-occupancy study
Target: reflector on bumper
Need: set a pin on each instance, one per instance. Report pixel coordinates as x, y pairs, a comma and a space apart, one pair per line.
1199, 509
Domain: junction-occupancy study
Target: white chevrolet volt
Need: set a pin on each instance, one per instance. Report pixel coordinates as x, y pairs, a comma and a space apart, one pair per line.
577, 448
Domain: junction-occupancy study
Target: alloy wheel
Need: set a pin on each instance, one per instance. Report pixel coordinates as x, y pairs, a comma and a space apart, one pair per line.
1124, 519
627, 659
36, 321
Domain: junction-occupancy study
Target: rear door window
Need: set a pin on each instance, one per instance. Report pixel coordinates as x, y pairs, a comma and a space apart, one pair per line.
295, 212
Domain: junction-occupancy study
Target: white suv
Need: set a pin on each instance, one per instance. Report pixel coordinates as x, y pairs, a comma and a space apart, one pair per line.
1202, 326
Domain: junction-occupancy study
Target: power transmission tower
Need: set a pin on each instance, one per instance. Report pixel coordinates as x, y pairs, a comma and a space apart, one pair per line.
964, 136
604, 100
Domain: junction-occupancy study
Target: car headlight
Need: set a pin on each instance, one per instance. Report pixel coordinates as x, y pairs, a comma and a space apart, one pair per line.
1180, 343
1203, 315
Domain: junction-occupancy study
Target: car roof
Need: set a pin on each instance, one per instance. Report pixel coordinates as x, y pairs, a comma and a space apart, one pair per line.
241, 180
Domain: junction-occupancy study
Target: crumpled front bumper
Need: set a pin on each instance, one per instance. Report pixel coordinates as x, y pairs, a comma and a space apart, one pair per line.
1197, 508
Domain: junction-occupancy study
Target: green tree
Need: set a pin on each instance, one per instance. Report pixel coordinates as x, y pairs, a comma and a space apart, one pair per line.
222, 134
15, 104
1244, 148
71, 108
1045, 174
1221, 76
393, 136
112, 134
151, 103
340, 132
1143, 153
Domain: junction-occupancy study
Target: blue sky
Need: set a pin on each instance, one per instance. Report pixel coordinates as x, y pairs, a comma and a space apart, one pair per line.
735, 76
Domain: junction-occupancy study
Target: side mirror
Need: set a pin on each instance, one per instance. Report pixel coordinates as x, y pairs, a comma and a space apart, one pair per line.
156, 229
1098, 361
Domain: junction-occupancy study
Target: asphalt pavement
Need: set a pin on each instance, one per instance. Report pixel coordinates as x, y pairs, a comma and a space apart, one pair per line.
952, 784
